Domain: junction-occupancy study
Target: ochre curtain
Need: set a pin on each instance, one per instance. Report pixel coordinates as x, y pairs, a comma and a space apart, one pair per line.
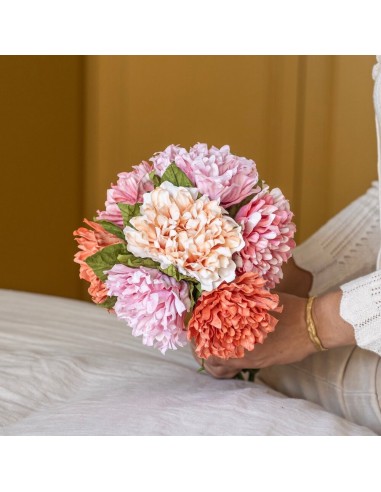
41, 179
70, 124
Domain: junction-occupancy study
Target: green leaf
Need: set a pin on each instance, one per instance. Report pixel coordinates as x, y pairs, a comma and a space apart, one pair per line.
155, 179
233, 210
176, 176
105, 259
111, 228
109, 303
195, 293
129, 211
194, 285
172, 271
132, 261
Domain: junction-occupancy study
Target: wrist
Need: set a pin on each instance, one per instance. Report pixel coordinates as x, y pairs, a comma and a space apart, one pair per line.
332, 330
296, 281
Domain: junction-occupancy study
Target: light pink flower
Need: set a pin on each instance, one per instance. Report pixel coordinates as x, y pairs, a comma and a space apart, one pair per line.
161, 160
195, 235
217, 173
154, 305
129, 189
268, 234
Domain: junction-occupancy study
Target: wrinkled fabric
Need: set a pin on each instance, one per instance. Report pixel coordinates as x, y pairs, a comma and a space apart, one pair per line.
345, 381
69, 368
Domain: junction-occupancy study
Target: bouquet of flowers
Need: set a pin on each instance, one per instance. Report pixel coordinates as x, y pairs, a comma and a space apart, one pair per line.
188, 248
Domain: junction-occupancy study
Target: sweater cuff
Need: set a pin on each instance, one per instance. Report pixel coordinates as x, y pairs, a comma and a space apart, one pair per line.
360, 306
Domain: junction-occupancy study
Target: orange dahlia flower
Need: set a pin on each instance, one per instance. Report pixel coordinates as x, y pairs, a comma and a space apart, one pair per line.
233, 317
90, 242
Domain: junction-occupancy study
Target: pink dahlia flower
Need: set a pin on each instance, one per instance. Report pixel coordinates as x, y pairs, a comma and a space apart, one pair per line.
161, 160
129, 189
217, 173
268, 234
154, 305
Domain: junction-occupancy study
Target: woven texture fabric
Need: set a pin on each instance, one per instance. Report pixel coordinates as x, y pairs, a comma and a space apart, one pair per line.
361, 307
346, 247
343, 254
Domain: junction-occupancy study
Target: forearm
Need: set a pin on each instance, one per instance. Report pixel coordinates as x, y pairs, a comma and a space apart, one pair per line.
296, 280
331, 328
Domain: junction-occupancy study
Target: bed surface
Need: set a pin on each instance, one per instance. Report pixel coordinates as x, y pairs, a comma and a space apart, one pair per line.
69, 368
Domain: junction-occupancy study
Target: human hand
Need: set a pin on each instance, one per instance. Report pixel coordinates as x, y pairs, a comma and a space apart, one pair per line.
288, 343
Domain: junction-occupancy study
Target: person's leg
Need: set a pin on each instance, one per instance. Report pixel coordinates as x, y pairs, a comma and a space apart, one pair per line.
345, 381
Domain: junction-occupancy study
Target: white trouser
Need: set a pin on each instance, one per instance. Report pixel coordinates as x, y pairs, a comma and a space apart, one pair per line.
345, 381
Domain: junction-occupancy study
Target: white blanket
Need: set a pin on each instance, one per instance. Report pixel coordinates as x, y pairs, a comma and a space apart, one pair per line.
70, 368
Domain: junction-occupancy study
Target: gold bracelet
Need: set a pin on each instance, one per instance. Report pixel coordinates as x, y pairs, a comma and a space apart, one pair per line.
311, 325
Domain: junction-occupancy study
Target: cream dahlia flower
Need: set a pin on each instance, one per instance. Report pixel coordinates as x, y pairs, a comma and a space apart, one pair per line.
194, 234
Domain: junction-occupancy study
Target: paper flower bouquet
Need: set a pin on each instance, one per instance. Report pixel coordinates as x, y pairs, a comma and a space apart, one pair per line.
187, 248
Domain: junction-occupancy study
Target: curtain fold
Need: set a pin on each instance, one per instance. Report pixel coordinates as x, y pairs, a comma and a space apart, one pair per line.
69, 125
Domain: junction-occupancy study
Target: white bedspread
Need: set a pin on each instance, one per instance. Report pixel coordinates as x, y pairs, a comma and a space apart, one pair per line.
70, 368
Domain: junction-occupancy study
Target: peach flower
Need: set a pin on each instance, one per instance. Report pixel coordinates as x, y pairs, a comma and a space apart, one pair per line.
90, 242
233, 318
194, 234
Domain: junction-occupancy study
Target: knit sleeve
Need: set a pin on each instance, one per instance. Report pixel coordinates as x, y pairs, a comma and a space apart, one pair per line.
361, 307
346, 247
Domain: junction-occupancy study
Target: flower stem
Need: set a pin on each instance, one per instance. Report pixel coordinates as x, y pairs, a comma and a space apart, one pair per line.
250, 375
202, 368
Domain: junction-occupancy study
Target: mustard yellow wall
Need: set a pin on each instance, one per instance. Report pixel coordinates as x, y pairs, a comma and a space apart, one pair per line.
138, 105
307, 121
41, 163
336, 149
68, 125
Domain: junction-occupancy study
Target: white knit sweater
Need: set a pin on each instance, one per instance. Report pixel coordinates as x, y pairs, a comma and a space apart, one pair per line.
345, 253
